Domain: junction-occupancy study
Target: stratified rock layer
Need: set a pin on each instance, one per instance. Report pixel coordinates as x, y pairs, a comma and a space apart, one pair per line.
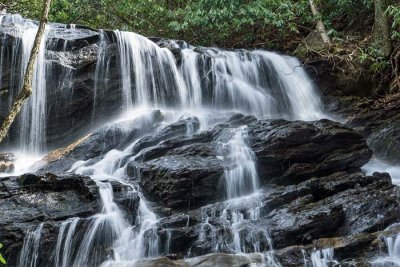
313, 192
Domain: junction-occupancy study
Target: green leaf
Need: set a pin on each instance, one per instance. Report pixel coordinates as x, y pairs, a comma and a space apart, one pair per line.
2, 260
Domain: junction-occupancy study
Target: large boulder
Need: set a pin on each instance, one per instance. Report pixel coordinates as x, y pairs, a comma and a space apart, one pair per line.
377, 120
290, 152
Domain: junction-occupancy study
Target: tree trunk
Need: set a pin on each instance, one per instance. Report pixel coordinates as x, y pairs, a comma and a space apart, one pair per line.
381, 32
320, 25
27, 85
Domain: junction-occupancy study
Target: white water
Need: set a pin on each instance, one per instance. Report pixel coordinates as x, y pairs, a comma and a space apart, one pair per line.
64, 244
393, 253
31, 248
148, 71
240, 174
377, 165
101, 73
321, 258
242, 207
24, 163
258, 83
33, 115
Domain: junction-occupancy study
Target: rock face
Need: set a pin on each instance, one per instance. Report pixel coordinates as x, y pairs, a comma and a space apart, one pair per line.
291, 152
186, 172
310, 192
72, 58
313, 192
377, 120
30, 199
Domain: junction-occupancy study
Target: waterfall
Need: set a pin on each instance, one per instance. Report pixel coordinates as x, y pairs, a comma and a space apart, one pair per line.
149, 74
321, 258
258, 82
32, 122
31, 248
64, 248
241, 210
241, 174
377, 165
393, 250
208, 84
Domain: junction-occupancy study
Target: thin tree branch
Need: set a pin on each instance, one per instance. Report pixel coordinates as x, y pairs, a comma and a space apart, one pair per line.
27, 85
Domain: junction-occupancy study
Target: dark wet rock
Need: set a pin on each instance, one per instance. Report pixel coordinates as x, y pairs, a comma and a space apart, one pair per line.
312, 187
186, 172
377, 120
353, 250
303, 221
210, 260
33, 199
182, 181
291, 152
28, 179
79, 58
385, 140
351, 204
156, 141
99, 142
175, 46
127, 200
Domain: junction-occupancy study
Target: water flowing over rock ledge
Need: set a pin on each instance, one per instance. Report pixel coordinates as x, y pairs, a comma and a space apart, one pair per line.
88, 77
158, 166
325, 197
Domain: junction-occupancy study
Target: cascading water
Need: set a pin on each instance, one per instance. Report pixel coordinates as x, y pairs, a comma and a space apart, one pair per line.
242, 207
393, 257
207, 84
377, 165
31, 248
32, 123
149, 74
64, 246
321, 258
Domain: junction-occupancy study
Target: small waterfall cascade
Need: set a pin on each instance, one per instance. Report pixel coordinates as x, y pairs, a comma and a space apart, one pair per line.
128, 70
378, 165
32, 122
64, 245
321, 258
101, 74
393, 253
131, 76
241, 176
149, 74
241, 210
31, 248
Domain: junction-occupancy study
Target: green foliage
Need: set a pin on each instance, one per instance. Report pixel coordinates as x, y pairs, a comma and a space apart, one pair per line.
2, 260
228, 23
372, 57
394, 12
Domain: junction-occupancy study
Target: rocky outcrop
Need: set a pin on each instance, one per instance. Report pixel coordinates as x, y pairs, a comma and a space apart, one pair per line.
220, 260
313, 193
98, 143
377, 120
290, 152
312, 186
185, 172
30, 199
